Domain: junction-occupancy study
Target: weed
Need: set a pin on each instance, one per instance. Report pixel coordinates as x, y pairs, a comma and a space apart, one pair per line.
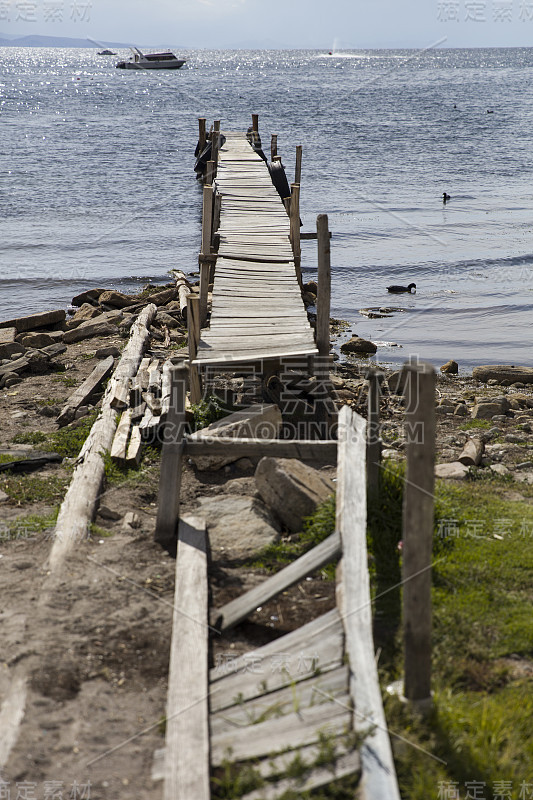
69, 441
98, 532
65, 380
208, 411
232, 781
23, 489
476, 423
27, 527
34, 437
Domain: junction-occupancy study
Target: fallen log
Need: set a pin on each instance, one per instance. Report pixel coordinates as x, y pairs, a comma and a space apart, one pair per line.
81, 500
184, 289
472, 453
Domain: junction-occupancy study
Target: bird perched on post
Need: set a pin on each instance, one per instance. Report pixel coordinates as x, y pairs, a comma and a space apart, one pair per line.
399, 289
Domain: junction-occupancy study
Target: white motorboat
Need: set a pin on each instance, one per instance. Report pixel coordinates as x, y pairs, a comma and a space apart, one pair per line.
140, 60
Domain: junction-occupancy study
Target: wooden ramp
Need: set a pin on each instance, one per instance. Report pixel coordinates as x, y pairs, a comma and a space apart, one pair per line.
301, 711
257, 309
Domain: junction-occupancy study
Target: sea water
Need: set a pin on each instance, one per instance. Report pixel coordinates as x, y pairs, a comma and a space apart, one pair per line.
97, 185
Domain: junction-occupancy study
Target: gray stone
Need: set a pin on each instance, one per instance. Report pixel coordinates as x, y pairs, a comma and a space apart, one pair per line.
163, 297
503, 373
7, 335
131, 520
49, 411
524, 465
3, 497
80, 412
35, 321
7, 351
104, 352
446, 409
358, 345
107, 513
90, 296
514, 439
454, 470
12, 381
240, 525
117, 299
525, 477
89, 331
37, 340
499, 418
450, 368
461, 410
499, 469
292, 490
244, 464
166, 319
488, 410
86, 312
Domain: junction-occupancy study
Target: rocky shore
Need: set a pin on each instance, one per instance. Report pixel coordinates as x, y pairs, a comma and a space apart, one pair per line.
99, 662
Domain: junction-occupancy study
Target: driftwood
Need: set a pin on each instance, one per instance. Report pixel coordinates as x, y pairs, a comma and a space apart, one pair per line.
184, 289
80, 502
83, 392
133, 456
472, 453
120, 442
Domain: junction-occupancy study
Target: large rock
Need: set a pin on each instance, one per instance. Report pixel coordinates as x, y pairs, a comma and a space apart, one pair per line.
239, 525
103, 325
90, 296
35, 321
454, 470
254, 422
11, 348
502, 372
450, 368
490, 409
7, 335
37, 340
116, 299
163, 297
358, 345
292, 490
87, 311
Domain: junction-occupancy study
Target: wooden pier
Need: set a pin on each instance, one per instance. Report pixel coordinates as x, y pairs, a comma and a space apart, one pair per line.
257, 309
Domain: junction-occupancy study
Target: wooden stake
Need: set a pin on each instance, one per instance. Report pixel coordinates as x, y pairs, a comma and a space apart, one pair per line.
171, 458
215, 141
201, 134
295, 229
193, 328
373, 445
207, 232
418, 523
273, 147
323, 300
298, 167
255, 123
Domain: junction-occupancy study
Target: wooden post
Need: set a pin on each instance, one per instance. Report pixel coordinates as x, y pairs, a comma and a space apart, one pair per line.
201, 134
210, 173
255, 123
193, 329
418, 523
373, 445
323, 300
215, 140
295, 229
171, 462
273, 147
207, 233
298, 167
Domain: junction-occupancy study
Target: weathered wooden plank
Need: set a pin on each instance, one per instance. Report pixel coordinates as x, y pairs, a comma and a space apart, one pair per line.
84, 392
344, 765
118, 448
187, 728
237, 610
292, 730
323, 451
319, 645
379, 776
133, 456
300, 695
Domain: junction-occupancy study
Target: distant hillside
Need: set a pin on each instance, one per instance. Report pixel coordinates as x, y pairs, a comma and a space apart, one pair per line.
8, 40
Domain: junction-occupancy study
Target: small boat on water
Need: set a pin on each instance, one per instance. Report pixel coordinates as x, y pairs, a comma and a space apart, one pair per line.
106, 53
140, 60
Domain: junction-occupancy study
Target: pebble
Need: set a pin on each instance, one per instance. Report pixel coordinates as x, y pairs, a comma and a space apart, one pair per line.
499, 469
104, 352
499, 418
514, 439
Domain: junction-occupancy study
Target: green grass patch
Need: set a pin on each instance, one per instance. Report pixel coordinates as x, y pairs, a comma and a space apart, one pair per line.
65, 380
27, 489
27, 527
209, 410
482, 628
477, 423
32, 437
69, 441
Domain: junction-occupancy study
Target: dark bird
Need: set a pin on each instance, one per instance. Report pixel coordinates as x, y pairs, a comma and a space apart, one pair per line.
399, 289
445, 198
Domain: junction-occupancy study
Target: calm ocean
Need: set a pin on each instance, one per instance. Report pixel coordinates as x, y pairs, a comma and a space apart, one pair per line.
97, 185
